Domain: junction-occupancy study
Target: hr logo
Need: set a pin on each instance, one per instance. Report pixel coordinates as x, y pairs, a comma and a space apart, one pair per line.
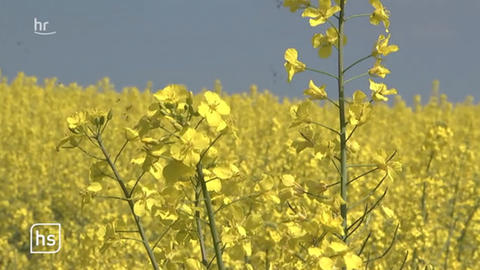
40, 28
45, 237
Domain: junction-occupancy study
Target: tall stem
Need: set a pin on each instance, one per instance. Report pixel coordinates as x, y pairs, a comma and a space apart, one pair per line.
217, 244
127, 194
203, 249
343, 125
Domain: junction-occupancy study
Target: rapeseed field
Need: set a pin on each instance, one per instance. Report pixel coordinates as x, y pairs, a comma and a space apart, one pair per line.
95, 177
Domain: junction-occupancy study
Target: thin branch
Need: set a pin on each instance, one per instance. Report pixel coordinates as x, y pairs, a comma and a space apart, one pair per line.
358, 15
113, 197
357, 62
136, 183
389, 247
322, 72
329, 128
164, 233
254, 195
133, 239
88, 154
201, 239
371, 193
120, 152
130, 203
364, 244
356, 77
351, 133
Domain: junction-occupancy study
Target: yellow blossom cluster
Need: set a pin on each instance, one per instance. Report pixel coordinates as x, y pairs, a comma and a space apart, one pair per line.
272, 188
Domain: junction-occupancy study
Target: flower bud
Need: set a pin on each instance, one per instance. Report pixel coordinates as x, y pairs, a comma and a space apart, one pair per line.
298, 190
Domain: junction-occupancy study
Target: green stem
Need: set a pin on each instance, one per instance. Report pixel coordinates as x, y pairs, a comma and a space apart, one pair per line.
356, 77
329, 128
424, 190
136, 183
120, 152
331, 101
357, 16
362, 165
112, 197
88, 154
322, 72
143, 235
333, 26
343, 126
203, 248
351, 133
164, 233
133, 239
357, 62
254, 195
199, 122
217, 244
464, 231
208, 148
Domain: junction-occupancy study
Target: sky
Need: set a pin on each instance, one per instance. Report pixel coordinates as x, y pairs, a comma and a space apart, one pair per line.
238, 42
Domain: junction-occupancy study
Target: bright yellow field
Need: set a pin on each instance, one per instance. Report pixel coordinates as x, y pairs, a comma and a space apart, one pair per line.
434, 197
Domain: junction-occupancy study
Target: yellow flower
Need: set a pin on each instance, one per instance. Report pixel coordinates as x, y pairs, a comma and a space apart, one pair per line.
294, 5
228, 126
325, 42
187, 149
320, 15
173, 93
78, 122
213, 109
300, 114
308, 138
380, 14
381, 46
329, 222
314, 92
379, 91
325, 149
384, 164
292, 65
359, 111
79, 119
97, 118
378, 70
131, 134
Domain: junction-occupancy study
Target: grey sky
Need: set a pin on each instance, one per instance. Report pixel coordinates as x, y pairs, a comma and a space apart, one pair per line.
239, 42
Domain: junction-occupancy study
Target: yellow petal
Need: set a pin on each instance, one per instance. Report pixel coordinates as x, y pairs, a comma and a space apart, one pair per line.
288, 180
291, 55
